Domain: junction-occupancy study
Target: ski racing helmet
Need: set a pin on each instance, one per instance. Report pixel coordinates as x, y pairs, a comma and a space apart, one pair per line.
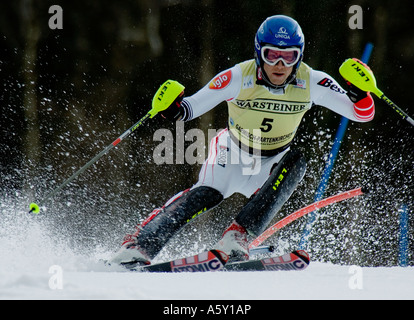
279, 32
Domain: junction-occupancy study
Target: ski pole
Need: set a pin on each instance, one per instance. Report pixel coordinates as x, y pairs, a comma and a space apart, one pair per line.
163, 98
35, 207
303, 211
362, 77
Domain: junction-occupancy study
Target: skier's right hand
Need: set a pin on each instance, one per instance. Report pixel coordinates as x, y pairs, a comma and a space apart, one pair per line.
175, 111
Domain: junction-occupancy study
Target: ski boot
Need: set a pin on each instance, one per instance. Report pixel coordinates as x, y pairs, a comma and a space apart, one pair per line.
234, 243
130, 255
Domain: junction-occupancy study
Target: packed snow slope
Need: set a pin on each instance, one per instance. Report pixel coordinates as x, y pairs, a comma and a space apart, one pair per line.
34, 266
319, 281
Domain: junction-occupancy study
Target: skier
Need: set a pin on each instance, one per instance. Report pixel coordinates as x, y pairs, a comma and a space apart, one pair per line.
267, 97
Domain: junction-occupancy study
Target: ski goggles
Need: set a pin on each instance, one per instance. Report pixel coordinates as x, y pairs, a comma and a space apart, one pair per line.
272, 55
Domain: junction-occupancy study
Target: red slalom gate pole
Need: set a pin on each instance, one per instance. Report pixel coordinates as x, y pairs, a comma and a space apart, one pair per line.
303, 211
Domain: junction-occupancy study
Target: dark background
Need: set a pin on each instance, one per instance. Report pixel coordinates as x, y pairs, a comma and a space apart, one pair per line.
66, 94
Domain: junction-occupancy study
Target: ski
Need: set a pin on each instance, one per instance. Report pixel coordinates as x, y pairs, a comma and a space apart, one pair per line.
293, 261
212, 260
215, 260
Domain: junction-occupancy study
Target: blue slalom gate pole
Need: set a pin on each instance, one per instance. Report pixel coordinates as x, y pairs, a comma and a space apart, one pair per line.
403, 245
340, 133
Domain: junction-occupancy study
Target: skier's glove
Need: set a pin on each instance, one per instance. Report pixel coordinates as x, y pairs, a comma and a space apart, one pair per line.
354, 93
364, 107
175, 111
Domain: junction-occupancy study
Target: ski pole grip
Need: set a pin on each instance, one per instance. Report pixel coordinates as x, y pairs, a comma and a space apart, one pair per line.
165, 96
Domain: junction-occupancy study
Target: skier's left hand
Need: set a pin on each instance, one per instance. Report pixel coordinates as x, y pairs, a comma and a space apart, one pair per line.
354, 93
